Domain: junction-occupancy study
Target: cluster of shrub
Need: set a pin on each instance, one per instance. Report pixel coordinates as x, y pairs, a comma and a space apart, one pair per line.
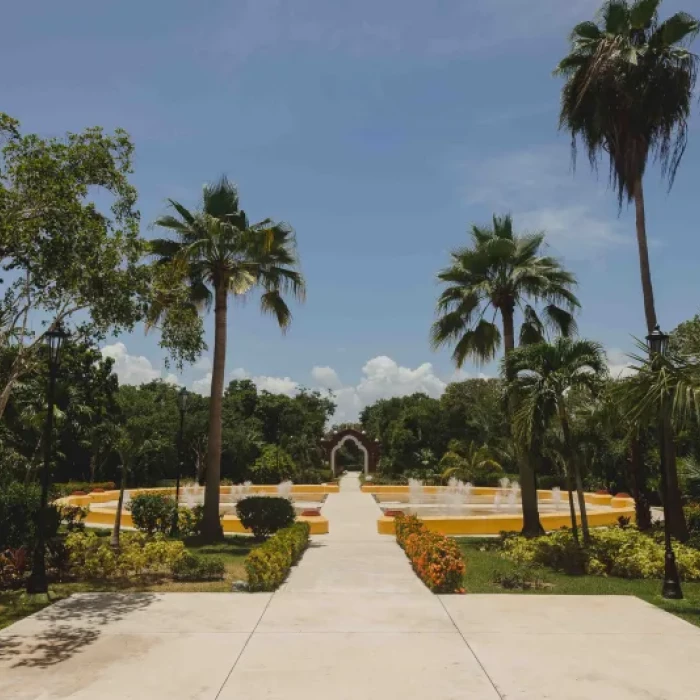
81, 487
624, 552
267, 566
435, 558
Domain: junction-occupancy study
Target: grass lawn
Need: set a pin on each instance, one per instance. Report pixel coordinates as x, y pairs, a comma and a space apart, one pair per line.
15, 605
484, 562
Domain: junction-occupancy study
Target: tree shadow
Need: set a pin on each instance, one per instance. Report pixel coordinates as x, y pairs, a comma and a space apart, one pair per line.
71, 625
47, 648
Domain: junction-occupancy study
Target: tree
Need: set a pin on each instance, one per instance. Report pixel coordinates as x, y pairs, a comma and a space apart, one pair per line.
503, 273
542, 376
468, 463
218, 252
664, 390
627, 96
64, 259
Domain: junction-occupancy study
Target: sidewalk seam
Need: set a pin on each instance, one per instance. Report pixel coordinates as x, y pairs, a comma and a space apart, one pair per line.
473, 653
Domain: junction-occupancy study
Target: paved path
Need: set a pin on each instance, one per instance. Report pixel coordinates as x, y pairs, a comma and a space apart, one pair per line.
353, 622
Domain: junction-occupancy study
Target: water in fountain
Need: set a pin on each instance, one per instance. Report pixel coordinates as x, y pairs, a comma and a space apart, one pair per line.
497, 499
284, 489
189, 495
246, 491
556, 497
504, 482
416, 492
513, 495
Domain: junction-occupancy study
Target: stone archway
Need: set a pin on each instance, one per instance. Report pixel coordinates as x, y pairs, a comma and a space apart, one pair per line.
368, 447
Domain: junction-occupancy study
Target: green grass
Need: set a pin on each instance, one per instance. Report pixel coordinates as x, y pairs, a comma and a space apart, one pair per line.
484, 563
14, 605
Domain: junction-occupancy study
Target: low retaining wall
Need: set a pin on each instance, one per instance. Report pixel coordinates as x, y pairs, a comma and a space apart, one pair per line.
99, 515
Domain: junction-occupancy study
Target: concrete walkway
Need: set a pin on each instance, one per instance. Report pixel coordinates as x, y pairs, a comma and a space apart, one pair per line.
352, 622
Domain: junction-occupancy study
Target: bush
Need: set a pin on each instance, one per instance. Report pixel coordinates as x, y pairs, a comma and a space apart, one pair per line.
66, 489
91, 556
435, 558
13, 565
189, 521
314, 476
152, 512
72, 516
193, 568
264, 515
268, 565
273, 466
622, 552
19, 506
547, 482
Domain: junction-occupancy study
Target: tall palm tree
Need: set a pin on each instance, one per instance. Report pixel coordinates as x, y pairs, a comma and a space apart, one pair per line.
504, 274
469, 463
219, 252
542, 375
627, 96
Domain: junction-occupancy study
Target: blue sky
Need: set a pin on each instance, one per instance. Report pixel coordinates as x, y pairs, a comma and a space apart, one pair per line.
380, 130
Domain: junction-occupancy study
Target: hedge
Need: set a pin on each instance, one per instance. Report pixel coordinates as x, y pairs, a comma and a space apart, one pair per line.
190, 567
60, 490
265, 515
435, 558
268, 565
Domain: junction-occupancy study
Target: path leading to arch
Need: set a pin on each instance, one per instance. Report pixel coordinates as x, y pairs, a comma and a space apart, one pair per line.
352, 622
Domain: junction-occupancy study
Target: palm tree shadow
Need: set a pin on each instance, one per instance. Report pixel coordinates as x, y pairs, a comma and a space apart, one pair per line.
71, 625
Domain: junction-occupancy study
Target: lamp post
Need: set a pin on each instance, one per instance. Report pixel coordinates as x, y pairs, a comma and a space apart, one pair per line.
37, 582
182, 406
657, 342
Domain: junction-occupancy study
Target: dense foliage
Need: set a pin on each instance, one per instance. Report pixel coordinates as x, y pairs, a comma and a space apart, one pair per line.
267, 566
190, 567
152, 512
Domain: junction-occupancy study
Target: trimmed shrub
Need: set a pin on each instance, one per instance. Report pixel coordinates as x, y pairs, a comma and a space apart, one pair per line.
435, 558
622, 552
268, 565
265, 515
91, 556
193, 568
73, 517
152, 512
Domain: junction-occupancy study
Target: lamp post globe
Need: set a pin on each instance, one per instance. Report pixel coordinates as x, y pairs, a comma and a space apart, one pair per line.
55, 338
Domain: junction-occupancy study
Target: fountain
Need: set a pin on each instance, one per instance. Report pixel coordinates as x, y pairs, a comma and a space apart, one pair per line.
497, 499
284, 489
513, 495
505, 483
416, 492
190, 495
556, 497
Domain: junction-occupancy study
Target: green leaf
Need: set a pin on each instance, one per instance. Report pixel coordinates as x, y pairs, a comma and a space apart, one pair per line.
616, 17
677, 28
643, 12
586, 30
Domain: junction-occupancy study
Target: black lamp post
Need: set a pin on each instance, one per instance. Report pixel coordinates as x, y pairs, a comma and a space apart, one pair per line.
658, 347
37, 582
182, 406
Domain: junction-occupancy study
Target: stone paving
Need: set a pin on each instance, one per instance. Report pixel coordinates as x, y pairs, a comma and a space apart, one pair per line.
352, 622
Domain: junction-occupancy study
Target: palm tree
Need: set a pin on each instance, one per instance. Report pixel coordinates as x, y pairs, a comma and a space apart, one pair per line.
219, 253
663, 389
504, 274
542, 375
628, 91
467, 464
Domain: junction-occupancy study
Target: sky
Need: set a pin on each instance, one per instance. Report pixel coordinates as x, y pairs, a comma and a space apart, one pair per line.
381, 130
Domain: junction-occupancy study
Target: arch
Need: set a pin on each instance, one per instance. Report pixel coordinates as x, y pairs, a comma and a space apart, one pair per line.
369, 448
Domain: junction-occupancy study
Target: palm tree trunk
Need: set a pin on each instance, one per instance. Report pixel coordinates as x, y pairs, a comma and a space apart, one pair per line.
675, 503
211, 523
116, 529
676, 516
644, 267
574, 466
637, 479
528, 485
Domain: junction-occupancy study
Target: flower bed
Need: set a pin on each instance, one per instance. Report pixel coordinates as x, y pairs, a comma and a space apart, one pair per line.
268, 565
435, 558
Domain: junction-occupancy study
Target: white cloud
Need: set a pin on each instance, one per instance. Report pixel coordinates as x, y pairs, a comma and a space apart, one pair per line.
134, 369
382, 378
327, 377
537, 185
619, 363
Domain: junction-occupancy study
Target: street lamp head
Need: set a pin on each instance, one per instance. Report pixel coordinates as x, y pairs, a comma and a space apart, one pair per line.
657, 341
55, 337
182, 399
